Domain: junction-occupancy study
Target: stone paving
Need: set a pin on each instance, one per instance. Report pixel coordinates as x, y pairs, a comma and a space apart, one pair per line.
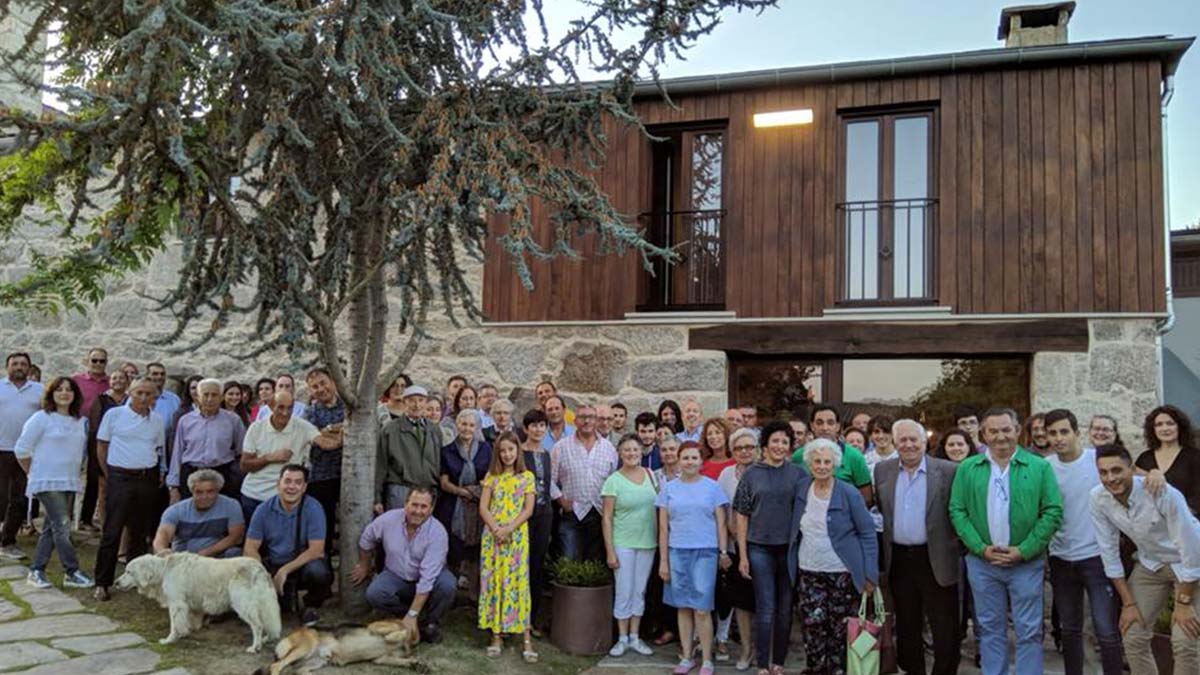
47, 632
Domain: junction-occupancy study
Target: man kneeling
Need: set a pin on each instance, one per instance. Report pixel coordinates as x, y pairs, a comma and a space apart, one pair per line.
287, 533
415, 580
208, 523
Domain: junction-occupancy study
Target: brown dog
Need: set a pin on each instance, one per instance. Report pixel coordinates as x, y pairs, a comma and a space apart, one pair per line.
385, 642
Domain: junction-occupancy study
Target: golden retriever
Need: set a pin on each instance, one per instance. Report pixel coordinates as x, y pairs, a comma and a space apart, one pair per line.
192, 586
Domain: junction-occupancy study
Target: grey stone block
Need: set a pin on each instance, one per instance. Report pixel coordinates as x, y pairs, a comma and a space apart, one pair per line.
94, 644
120, 662
46, 601
62, 625
25, 654
680, 374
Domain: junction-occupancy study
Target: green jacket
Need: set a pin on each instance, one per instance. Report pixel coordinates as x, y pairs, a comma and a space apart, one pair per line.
1034, 504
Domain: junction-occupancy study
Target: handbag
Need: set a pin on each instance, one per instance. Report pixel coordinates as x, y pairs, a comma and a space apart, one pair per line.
863, 638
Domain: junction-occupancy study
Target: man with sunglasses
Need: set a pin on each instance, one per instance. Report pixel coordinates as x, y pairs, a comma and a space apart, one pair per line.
93, 381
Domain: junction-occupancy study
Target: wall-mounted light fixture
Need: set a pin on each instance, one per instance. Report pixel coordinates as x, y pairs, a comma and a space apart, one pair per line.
783, 118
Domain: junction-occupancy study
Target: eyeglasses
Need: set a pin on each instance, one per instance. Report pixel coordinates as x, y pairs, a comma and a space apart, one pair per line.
743, 447
99, 360
584, 417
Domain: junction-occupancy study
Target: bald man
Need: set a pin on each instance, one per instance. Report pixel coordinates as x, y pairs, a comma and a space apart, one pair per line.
270, 444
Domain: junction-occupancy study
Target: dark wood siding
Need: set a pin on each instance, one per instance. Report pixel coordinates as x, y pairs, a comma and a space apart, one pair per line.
1049, 183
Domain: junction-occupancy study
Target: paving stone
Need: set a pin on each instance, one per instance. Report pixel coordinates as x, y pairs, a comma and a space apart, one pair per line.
93, 644
8, 610
25, 654
120, 662
13, 572
63, 625
174, 671
46, 600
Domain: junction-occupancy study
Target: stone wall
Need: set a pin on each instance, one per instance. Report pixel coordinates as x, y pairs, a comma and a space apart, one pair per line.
1118, 376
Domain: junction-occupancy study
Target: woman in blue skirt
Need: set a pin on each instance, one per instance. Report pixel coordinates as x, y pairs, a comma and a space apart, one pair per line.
692, 545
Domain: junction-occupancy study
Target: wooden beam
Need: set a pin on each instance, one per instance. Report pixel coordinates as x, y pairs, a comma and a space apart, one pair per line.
845, 338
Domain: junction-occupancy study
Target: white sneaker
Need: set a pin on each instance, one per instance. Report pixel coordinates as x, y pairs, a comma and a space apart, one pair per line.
619, 648
641, 647
12, 553
37, 579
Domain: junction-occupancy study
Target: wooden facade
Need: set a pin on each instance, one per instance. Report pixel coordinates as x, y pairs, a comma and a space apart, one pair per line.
1047, 178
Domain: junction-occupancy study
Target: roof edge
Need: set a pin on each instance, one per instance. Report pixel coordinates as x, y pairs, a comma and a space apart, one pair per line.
1169, 50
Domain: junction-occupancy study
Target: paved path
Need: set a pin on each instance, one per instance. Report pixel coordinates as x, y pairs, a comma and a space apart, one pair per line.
47, 632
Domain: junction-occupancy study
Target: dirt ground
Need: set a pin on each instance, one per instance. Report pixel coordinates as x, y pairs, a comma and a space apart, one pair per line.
219, 649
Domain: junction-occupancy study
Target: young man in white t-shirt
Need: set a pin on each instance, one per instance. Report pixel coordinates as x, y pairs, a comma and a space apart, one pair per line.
1075, 563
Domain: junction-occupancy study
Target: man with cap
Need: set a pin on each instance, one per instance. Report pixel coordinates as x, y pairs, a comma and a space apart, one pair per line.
410, 450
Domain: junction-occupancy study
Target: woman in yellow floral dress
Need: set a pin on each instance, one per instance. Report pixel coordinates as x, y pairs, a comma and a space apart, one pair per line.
505, 506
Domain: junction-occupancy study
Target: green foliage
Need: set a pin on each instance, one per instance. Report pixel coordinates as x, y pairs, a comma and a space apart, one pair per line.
585, 573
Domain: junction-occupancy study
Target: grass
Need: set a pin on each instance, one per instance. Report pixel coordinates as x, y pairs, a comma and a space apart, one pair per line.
6, 593
220, 648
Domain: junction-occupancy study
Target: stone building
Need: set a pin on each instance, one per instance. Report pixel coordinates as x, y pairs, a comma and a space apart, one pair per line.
951, 228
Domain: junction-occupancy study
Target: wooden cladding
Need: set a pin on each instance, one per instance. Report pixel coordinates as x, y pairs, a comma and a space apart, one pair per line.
1048, 183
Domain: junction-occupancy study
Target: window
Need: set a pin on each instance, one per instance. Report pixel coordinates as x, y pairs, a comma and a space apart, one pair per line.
686, 215
886, 216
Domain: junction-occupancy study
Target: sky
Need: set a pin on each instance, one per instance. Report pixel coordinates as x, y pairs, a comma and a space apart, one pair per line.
805, 33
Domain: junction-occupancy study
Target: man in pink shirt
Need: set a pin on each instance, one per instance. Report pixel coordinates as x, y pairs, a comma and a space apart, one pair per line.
94, 380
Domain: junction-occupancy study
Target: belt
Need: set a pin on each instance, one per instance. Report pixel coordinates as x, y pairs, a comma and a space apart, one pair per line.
152, 471
195, 467
909, 549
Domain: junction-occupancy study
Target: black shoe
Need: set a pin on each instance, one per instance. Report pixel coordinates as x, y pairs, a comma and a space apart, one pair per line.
431, 634
309, 617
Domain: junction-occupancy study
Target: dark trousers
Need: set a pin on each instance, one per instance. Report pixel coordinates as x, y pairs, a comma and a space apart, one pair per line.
539, 547
659, 617
249, 505
91, 491
581, 539
1070, 580
327, 493
230, 488
314, 579
919, 598
12, 498
772, 603
131, 501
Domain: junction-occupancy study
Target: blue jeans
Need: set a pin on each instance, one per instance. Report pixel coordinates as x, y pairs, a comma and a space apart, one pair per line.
772, 602
56, 533
995, 589
1070, 579
391, 594
581, 539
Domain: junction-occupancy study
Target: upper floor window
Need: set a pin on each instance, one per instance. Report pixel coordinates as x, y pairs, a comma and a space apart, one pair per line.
687, 213
886, 216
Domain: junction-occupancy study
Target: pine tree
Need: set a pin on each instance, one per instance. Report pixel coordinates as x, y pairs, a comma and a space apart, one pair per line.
328, 156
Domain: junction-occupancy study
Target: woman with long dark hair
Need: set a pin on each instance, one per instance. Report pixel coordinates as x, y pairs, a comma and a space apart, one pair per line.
231, 400
1171, 452
670, 413
956, 445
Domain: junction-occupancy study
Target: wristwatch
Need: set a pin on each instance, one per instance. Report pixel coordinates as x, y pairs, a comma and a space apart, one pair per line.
412, 614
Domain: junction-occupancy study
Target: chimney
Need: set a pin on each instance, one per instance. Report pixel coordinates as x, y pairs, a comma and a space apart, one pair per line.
1035, 25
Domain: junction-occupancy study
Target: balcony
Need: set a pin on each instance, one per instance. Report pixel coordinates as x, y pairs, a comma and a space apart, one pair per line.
696, 280
885, 252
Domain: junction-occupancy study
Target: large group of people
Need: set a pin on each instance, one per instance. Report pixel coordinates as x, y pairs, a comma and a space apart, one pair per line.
715, 527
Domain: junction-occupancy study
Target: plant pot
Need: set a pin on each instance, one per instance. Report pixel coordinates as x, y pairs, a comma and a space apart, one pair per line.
581, 619
1160, 647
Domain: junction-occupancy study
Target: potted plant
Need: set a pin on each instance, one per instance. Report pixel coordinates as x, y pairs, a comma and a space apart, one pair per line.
1160, 640
581, 608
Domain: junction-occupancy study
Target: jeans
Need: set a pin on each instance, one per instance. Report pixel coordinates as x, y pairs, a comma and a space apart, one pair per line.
327, 493
315, 578
1070, 579
249, 505
995, 589
56, 533
391, 594
581, 539
12, 497
131, 502
772, 602
1150, 591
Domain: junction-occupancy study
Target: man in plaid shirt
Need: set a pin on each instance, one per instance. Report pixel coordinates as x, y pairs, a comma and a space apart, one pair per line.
579, 464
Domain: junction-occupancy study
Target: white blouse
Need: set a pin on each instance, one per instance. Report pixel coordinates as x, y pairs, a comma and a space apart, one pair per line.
58, 444
816, 549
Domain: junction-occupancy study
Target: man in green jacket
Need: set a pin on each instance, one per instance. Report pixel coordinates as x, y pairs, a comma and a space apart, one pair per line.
409, 454
1006, 507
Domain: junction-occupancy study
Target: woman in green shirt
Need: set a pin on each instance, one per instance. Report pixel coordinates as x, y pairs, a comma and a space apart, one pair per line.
630, 539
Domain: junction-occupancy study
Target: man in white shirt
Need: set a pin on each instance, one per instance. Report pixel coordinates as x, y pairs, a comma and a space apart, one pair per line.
1167, 537
579, 464
1075, 563
130, 445
270, 444
20, 398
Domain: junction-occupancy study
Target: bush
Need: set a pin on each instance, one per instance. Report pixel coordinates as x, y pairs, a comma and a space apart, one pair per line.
585, 573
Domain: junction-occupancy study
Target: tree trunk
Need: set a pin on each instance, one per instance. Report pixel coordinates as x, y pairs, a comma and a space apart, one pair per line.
358, 498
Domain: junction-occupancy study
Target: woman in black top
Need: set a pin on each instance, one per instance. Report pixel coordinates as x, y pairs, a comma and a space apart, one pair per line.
118, 387
1172, 453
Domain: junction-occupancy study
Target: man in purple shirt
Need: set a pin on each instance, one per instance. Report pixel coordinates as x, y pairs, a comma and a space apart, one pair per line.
93, 381
208, 437
414, 580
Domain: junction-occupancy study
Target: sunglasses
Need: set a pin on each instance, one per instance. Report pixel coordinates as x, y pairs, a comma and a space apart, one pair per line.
99, 360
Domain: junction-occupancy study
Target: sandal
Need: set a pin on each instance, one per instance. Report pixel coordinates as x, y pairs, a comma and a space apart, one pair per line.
529, 655
495, 649
665, 639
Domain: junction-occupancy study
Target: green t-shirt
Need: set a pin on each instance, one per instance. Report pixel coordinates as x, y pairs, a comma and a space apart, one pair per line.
634, 517
853, 470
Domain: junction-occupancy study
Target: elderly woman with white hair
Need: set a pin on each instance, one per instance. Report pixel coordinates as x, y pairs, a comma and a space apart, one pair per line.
502, 421
834, 552
465, 461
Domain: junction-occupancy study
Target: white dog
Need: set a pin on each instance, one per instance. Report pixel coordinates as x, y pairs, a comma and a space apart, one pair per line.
192, 586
